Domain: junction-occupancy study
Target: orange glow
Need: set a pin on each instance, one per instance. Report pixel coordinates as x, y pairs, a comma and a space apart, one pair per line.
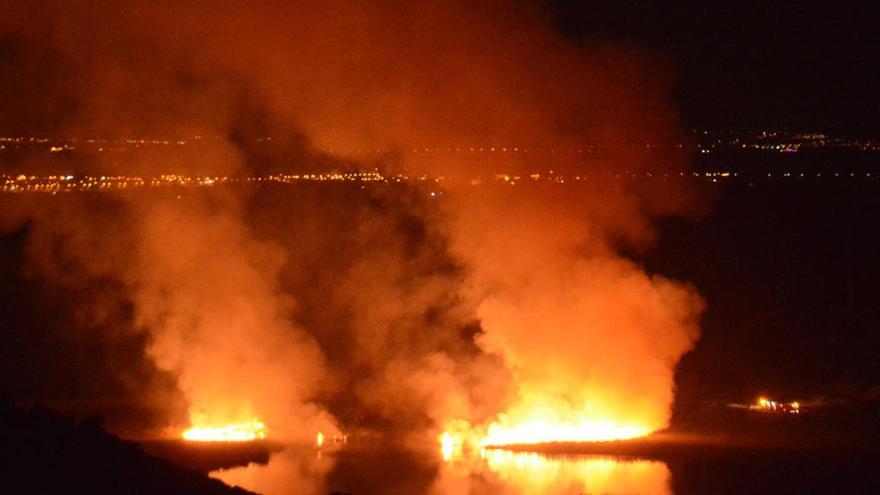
233, 432
536, 430
447, 446
534, 473
538, 474
521, 311
542, 418
539, 425
772, 406
580, 430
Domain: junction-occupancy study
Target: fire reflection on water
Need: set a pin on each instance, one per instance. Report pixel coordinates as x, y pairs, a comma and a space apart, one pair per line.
288, 472
506, 472
490, 471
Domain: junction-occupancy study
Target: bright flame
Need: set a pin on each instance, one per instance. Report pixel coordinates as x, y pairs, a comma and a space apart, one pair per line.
233, 432
544, 418
447, 446
767, 405
540, 431
459, 437
319, 440
537, 431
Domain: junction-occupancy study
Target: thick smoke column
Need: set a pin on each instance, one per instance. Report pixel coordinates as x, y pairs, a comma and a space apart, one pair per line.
506, 310
219, 321
591, 339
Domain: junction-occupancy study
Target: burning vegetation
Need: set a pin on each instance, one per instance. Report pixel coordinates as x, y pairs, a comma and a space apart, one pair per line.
236, 432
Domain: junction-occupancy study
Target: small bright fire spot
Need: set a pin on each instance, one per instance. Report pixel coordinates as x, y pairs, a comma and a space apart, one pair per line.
766, 405
447, 446
319, 440
233, 432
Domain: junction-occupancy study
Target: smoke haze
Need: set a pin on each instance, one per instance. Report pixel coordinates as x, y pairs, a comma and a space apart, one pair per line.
326, 306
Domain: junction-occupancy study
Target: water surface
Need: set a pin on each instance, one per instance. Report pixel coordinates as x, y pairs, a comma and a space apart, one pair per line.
487, 472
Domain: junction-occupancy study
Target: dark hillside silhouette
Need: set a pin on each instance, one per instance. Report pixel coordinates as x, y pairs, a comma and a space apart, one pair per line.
43, 452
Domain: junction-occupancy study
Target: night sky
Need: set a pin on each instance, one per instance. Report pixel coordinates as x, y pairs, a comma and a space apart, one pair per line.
739, 65
751, 64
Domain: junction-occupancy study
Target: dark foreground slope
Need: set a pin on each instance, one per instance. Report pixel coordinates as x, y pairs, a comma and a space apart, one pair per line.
42, 452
